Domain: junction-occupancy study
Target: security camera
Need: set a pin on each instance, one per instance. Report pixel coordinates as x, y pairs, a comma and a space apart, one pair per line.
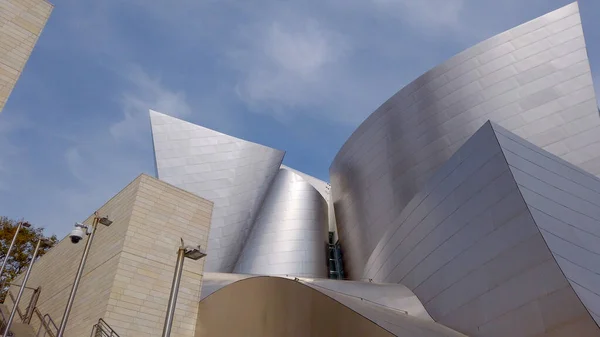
78, 232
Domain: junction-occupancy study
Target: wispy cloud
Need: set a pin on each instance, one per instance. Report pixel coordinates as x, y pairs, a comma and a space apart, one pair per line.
320, 66
145, 92
286, 64
427, 15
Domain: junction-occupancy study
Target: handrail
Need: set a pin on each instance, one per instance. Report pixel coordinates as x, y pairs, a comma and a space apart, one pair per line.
45, 320
102, 329
3, 322
15, 304
45, 324
18, 285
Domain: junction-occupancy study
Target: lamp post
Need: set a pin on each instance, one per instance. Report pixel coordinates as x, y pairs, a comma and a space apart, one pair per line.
194, 253
21, 289
75, 237
12, 244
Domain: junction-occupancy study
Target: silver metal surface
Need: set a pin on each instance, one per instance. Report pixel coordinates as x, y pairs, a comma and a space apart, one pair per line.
534, 80
394, 297
471, 244
564, 202
86, 250
290, 233
174, 291
13, 312
233, 173
325, 189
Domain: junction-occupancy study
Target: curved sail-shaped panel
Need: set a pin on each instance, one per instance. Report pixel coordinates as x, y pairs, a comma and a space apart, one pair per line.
502, 241
290, 233
275, 306
534, 80
231, 172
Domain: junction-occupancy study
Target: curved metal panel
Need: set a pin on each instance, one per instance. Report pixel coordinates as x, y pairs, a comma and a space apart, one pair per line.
325, 189
533, 80
393, 297
231, 172
468, 246
290, 233
565, 204
288, 307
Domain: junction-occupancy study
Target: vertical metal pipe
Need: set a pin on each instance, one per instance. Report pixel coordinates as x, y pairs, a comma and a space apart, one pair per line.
12, 244
88, 244
174, 292
32, 304
16, 305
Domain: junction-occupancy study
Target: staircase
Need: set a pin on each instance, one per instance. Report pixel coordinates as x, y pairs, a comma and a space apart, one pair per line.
17, 329
21, 325
102, 329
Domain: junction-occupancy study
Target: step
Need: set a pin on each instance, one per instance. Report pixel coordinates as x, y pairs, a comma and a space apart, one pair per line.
22, 330
5, 311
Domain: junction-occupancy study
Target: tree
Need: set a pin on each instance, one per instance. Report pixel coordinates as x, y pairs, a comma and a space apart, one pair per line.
20, 255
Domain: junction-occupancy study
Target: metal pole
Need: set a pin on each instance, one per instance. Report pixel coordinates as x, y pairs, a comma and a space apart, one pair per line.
32, 304
88, 243
16, 305
174, 292
12, 244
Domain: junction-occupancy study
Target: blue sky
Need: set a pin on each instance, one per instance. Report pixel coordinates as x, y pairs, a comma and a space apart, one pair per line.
298, 76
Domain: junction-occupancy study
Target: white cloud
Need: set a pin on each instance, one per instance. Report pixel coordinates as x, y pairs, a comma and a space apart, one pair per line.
145, 93
284, 64
425, 14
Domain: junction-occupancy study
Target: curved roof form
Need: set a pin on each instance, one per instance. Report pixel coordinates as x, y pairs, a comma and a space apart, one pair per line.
302, 307
290, 232
395, 297
233, 173
534, 80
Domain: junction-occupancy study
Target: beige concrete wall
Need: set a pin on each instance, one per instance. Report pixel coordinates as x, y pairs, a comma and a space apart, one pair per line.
162, 214
55, 271
128, 274
21, 23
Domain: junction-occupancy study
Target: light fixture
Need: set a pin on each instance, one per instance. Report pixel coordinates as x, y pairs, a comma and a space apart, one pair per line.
194, 253
76, 235
105, 221
191, 252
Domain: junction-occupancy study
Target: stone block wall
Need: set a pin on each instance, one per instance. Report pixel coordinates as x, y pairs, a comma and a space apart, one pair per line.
21, 23
128, 274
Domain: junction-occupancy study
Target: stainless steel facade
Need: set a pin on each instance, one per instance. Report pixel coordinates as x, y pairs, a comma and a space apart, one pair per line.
275, 215
266, 294
289, 234
534, 80
564, 202
473, 249
391, 296
233, 173
475, 189
392, 306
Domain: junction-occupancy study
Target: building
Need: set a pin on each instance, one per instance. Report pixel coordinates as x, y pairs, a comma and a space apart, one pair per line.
267, 218
468, 204
128, 274
21, 23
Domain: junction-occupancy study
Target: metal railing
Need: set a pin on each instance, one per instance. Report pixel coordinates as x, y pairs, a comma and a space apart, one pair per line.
12, 298
3, 322
47, 327
47, 323
102, 329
